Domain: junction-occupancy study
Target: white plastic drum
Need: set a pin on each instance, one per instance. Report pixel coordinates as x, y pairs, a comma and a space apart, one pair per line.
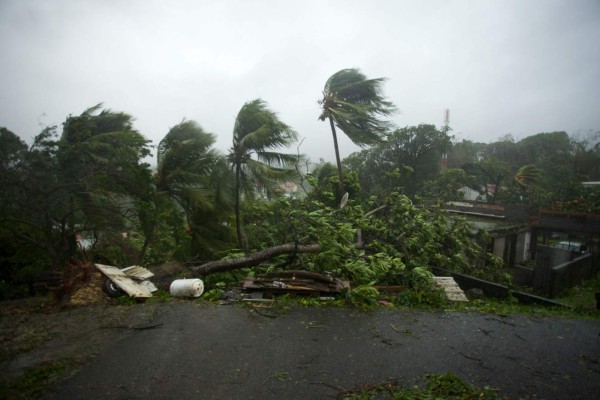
187, 288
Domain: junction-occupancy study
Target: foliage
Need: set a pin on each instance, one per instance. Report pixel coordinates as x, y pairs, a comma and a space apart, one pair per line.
582, 297
447, 184
192, 181
79, 185
184, 161
397, 245
259, 169
403, 162
552, 164
355, 105
363, 296
438, 387
35, 381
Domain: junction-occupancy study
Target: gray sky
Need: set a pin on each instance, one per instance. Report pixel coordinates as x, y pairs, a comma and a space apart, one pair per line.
516, 67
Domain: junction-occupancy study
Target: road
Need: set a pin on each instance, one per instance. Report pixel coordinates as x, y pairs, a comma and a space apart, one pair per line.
198, 351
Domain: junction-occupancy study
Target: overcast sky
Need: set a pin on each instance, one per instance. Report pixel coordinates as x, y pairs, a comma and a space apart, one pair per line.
502, 67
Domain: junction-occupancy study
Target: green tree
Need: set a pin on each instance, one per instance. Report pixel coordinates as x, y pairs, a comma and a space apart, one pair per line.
184, 162
446, 185
258, 167
35, 206
552, 152
409, 157
465, 152
355, 105
101, 156
417, 147
586, 157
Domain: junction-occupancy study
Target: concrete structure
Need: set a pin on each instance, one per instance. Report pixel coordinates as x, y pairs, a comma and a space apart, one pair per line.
524, 235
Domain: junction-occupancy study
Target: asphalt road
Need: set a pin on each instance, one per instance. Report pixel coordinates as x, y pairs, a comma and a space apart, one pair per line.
192, 351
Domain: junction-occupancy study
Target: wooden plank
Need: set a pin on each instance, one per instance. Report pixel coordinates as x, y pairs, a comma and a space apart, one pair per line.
128, 285
451, 289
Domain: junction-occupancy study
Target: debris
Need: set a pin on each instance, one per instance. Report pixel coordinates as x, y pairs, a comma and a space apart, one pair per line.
296, 282
251, 300
451, 288
87, 291
231, 295
131, 280
327, 298
187, 288
137, 272
137, 328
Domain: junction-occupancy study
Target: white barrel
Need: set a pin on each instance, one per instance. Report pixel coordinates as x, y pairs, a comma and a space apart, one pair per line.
187, 288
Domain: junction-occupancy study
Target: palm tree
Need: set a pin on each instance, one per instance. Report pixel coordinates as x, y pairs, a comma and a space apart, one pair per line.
355, 104
184, 161
257, 133
192, 175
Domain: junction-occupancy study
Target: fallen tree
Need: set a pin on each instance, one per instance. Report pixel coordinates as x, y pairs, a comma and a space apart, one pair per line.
254, 259
257, 258
394, 248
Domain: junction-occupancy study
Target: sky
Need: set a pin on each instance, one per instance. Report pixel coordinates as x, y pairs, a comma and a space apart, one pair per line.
518, 67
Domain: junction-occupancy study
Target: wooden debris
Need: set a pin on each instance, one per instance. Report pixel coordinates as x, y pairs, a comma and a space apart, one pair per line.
451, 288
295, 281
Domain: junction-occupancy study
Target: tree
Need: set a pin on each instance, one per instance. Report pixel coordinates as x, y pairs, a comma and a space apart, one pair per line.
409, 157
184, 162
257, 133
355, 105
418, 147
446, 185
465, 152
187, 200
35, 210
553, 153
101, 156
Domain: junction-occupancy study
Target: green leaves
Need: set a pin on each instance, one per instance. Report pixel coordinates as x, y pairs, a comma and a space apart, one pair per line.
356, 105
258, 168
528, 176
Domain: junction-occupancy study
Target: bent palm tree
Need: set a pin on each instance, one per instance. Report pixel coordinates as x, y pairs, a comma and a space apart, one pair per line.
256, 134
193, 176
355, 104
184, 161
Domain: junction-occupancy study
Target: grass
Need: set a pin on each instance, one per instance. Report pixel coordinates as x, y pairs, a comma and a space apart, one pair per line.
582, 297
437, 387
35, 381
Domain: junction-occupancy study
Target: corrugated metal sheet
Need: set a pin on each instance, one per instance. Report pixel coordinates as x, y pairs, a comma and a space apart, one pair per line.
122, 280
137, 272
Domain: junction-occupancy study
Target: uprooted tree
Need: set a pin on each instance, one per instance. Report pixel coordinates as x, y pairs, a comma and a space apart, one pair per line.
396, 242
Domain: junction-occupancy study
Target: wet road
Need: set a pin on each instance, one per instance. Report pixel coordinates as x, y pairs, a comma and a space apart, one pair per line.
197, 351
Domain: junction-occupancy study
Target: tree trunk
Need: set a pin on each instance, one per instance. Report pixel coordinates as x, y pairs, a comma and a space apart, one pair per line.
337, 159
254, 259
243, 243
